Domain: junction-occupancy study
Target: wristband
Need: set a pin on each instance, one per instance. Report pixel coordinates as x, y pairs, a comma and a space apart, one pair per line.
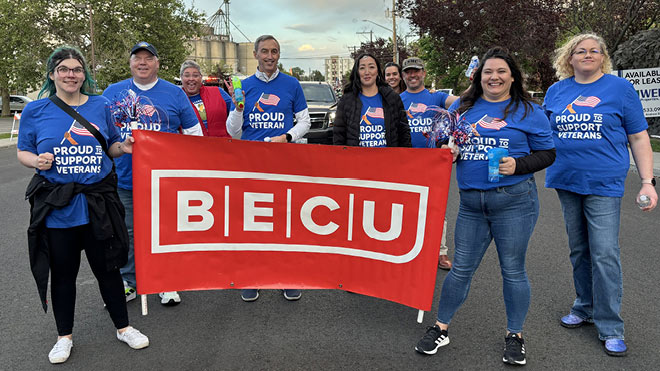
649, 181
289, 138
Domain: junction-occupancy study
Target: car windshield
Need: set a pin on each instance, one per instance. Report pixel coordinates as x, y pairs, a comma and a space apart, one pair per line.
318, 93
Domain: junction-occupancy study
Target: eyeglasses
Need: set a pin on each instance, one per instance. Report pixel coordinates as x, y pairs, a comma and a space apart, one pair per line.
583, 52
64, 70
191, 76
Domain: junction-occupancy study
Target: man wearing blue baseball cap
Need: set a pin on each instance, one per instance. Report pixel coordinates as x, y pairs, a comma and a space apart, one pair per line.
146, 102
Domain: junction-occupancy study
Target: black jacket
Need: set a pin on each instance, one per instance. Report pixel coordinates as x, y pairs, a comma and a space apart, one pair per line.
346, 129
106, 217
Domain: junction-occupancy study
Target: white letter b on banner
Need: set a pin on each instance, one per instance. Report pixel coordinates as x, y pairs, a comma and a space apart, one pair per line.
185, 211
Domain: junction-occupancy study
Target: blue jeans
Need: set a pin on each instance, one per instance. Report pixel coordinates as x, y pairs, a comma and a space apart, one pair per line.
508, 216
592, 225
128, 270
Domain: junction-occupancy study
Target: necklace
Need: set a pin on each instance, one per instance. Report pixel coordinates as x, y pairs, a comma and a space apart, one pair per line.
79, 98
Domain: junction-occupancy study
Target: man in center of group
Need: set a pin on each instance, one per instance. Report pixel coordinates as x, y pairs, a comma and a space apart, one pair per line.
145, 102
272, 100
416, 99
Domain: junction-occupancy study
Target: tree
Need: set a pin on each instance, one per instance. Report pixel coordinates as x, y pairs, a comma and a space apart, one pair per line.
614, 20
119, 24
382, 49
22, 55
455, 30
298, 73
33, 29
317, 76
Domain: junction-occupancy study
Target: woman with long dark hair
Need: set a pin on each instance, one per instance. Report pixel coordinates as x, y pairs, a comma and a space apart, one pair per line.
370, 113
394, 77
594, 116
502, 115
73, 196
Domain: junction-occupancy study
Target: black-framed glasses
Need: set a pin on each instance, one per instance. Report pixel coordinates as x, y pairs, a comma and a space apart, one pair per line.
64, 70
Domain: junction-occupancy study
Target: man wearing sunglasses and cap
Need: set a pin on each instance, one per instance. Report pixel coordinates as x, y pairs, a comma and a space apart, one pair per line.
146, 102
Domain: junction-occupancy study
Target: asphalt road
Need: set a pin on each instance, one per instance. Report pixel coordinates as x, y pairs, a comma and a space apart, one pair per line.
331, 329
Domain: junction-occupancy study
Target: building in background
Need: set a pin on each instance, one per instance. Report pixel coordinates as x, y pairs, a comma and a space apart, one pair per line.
335, 69
212, 49
216, 47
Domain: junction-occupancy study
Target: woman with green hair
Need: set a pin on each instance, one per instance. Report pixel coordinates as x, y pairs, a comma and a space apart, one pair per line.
73, 197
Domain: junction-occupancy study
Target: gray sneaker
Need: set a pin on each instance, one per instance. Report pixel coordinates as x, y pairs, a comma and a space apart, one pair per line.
130, 292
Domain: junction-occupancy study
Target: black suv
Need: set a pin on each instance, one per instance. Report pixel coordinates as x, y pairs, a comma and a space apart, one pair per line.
322, 106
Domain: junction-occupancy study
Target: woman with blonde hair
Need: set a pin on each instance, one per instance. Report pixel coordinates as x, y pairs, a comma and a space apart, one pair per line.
594, 116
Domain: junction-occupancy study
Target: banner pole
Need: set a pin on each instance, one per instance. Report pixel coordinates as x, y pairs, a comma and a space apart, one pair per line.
420, 316
143, 299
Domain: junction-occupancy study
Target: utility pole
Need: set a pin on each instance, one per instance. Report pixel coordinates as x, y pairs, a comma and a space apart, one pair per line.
371, 35
91, 39
395, 53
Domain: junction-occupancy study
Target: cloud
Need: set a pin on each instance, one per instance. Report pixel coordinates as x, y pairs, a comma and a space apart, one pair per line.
306, 48
307, 28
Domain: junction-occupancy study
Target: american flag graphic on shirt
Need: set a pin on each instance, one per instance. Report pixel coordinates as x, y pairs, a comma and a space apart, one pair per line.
269, 99
491, 122
375, 112
77, 128
417, 108
586, 101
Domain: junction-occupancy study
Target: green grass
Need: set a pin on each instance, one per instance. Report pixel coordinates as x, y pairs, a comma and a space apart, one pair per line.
5, 135
655, 144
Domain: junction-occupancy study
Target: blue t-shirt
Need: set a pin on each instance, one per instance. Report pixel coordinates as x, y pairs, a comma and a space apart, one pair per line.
164, 107
196, 100
372, 122
270, 107
517, 134
79, 158
419, 118
590, 126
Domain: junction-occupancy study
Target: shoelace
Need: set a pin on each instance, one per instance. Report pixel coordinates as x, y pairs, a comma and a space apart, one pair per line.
514, 341
432, 333
60, 346
131, 333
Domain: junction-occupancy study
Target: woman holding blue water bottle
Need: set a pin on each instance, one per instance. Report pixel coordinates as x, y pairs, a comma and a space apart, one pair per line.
503, 208
595, 115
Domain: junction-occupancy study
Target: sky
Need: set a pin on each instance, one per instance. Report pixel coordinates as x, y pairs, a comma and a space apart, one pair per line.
308, 30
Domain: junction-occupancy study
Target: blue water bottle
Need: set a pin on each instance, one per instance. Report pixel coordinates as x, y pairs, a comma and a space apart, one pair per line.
474, 63
494, 157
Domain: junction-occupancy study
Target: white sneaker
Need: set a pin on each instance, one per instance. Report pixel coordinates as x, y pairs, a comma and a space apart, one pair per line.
169, 298
61, 351
134, 338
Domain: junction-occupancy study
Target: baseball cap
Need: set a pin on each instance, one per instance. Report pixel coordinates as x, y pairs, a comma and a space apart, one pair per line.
412, 62
146, 46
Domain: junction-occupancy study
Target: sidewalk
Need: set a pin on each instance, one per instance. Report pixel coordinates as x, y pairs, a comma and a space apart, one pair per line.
656, 156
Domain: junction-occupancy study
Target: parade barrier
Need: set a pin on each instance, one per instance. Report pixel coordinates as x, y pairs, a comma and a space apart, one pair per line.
14, 130
217, 213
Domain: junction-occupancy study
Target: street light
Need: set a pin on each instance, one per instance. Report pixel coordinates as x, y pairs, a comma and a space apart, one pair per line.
395, 51
379, 25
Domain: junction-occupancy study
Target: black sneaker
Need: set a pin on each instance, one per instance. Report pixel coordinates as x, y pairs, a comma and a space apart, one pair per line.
432, 340
514, 350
